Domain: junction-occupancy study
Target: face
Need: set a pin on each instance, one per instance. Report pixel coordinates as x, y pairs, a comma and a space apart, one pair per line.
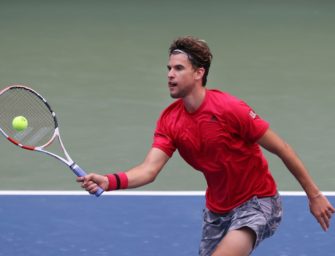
182, 77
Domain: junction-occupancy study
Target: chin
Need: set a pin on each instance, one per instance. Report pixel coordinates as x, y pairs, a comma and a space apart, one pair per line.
175, 96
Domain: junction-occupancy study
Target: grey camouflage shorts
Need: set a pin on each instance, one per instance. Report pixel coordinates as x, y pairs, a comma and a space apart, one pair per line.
262, 215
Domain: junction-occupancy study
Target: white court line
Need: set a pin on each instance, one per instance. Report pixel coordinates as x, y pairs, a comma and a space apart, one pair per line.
131, 193
112, 193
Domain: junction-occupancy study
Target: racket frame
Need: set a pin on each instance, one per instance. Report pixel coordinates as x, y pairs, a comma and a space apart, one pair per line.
56, 135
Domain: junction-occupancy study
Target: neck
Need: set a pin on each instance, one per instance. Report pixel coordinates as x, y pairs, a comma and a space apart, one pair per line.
193, 101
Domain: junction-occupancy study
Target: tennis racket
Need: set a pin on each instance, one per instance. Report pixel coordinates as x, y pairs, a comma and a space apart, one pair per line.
42, 131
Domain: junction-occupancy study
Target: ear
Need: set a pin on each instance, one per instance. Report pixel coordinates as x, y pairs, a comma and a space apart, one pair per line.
199, 73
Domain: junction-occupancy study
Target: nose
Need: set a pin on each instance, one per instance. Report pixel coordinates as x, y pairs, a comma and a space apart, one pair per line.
170, 73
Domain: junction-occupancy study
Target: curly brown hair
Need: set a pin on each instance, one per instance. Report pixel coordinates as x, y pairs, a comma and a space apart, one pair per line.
197, 51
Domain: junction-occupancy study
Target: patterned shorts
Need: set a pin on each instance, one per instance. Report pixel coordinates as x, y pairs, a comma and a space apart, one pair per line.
262, 215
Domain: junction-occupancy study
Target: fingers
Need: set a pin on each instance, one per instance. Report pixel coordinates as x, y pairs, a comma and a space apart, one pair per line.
88, 183
324, 221
326, 217
322, 211
80, 179
93, 182
91, 187
329, 213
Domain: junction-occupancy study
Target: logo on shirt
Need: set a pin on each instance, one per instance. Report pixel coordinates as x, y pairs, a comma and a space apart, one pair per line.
252, 114
214, 118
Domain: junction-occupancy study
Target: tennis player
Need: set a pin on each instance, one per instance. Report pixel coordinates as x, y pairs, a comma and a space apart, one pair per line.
220, 136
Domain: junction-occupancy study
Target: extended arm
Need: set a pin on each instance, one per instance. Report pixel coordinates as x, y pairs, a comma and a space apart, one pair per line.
148, 170
137, 176
319, 205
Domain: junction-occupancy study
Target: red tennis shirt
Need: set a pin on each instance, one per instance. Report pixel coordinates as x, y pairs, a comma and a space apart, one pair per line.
220, 140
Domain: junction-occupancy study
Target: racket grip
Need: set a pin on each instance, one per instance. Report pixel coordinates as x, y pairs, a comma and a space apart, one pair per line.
80, 173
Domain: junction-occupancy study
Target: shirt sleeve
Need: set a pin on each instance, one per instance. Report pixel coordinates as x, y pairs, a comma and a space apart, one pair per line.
162, 138
246, 123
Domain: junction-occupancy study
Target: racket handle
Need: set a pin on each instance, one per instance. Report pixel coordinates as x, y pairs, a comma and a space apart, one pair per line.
80, 173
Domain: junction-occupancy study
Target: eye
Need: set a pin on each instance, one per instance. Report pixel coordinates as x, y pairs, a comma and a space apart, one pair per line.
179, 67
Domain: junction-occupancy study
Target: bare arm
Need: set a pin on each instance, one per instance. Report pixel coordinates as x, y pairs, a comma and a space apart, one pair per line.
147, 171
139, 175
319, 205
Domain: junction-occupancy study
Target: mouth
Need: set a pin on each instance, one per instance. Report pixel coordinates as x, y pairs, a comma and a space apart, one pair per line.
172, 84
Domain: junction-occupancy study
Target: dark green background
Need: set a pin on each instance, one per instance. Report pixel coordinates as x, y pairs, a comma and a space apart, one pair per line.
102, 66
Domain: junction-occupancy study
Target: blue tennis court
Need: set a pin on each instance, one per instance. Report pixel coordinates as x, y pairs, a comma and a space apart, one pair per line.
146, 225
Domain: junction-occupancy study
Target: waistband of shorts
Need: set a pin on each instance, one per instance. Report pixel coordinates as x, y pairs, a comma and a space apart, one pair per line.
250, 199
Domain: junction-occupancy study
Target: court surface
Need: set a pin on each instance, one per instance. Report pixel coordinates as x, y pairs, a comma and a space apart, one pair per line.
150, 224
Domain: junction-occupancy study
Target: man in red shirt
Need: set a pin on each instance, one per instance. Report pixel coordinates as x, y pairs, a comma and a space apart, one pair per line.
220, 136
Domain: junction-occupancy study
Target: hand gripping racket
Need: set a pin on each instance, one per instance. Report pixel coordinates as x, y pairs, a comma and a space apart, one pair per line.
42, 130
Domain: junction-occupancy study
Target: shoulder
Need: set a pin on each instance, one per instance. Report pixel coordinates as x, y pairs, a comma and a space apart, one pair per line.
224, 100
173, 110
222, 96
230, 108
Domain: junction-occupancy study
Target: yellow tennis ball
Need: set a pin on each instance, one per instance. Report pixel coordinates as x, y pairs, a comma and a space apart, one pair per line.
20, 123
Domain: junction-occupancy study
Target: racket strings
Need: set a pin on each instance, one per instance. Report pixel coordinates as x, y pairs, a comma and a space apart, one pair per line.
19, 101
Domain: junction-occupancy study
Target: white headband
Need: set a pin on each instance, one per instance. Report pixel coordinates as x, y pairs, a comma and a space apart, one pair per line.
189, 56
179, 51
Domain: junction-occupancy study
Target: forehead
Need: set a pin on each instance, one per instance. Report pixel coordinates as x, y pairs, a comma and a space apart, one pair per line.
179, 59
